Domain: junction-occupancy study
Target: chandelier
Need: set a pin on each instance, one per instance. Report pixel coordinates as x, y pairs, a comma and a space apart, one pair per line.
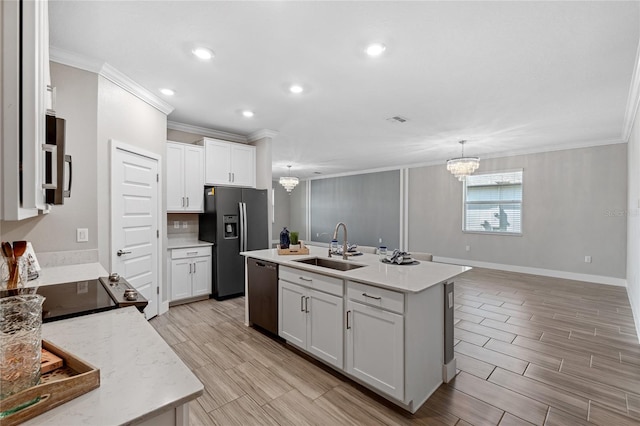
462, 166
289, 182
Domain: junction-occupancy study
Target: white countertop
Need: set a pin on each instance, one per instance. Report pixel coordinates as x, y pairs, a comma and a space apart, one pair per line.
68, 273
404, 278
174, 243
140, 375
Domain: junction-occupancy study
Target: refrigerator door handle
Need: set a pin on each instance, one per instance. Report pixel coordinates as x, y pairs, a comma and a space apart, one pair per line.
244, 225
241, 226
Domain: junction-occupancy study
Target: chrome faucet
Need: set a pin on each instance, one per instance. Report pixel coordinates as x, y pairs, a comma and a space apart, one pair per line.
344, 243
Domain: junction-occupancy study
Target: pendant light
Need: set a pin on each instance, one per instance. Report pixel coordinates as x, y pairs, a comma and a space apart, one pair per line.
289, 182
462, 166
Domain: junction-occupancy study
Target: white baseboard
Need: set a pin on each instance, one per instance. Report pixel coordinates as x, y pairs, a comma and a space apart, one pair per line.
620, 282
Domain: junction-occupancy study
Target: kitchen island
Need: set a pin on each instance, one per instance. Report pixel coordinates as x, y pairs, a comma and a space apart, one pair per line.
387, 326
142, 381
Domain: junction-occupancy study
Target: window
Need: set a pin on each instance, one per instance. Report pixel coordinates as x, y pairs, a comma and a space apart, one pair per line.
493, 203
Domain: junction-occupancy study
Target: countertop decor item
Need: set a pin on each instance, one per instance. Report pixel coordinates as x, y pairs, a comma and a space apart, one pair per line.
74, 378
20, 343
284, 238
301, 249
462, 166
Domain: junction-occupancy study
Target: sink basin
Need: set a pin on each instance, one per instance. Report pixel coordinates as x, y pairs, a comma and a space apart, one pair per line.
331, 264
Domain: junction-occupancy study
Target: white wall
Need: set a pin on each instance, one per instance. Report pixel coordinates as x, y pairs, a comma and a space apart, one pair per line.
632, 216
569, 202
76, 101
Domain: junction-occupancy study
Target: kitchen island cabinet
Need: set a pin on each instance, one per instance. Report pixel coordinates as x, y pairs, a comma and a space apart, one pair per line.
142, 381
390, 317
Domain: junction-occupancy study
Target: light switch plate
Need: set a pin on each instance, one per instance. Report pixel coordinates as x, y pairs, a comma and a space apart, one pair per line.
82, 235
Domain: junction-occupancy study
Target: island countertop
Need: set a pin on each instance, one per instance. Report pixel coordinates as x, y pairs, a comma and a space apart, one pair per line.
140, 375
404, 278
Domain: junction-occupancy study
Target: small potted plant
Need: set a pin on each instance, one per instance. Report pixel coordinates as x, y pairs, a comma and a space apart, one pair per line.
295, 243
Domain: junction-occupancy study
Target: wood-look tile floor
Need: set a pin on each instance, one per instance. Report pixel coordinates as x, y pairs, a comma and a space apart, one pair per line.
530, 350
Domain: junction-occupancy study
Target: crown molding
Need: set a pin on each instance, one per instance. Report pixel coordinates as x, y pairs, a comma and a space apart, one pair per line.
204, 131
72, 59
633, 100
115, 76
260, 134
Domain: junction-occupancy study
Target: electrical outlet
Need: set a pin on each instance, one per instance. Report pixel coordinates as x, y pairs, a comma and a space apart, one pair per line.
82, 235
468, 248
185, 225
380, 240
176, 224
587, 259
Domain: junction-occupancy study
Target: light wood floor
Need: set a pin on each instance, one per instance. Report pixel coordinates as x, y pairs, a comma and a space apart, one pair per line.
530, 350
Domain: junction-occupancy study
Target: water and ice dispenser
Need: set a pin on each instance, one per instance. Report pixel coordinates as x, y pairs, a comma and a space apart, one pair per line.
230, 223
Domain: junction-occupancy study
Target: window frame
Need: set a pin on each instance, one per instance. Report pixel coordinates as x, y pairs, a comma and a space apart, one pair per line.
464, 206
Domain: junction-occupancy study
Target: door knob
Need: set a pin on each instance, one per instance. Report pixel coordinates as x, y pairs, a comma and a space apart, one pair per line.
121, 252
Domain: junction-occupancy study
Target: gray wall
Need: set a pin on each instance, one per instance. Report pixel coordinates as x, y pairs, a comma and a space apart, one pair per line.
369, 204
632, 215
568, 197
282, 210
76, 101
125, 118
298, 210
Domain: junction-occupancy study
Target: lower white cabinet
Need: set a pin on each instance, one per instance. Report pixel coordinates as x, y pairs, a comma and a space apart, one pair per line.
190, 272
312, 320
375, 347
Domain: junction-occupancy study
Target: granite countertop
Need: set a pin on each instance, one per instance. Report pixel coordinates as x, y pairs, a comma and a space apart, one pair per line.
140, 375
181, 242
404, 278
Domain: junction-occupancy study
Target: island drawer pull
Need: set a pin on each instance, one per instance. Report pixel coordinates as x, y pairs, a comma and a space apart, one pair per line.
348, 312
306, 279
306, 304
301, 303
372, 297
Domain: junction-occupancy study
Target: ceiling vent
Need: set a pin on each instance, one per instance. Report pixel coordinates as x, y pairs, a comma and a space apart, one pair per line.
397, 119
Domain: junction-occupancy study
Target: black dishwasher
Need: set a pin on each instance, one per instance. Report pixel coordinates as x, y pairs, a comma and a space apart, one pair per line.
263, 294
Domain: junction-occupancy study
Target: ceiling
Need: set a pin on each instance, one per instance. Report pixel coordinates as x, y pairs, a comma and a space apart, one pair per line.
506, 76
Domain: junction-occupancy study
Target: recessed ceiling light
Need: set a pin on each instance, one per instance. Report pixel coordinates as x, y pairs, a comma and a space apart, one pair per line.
296, 88
203, 53
167, 92
375, 49
247, 113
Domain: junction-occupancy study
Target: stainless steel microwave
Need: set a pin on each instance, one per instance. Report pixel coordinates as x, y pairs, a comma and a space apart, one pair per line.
58, 167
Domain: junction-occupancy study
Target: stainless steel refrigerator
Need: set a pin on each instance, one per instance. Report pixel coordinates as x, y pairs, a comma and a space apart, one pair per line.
234, 220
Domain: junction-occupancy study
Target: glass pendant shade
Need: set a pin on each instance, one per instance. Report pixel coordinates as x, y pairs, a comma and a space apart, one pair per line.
289, 182
462, 167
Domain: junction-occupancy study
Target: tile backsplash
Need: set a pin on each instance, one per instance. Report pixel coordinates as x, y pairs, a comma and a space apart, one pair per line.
190, 220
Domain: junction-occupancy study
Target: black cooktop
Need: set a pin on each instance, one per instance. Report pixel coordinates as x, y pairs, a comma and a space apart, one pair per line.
74, 299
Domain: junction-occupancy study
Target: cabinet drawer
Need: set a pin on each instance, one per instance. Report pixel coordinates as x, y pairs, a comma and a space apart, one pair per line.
375, 296
318, 282
190, 252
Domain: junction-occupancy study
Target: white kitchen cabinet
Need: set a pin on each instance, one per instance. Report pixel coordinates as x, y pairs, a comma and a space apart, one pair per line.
375, 347
311, 319
229, 164
25, 78
185, 178
190, 273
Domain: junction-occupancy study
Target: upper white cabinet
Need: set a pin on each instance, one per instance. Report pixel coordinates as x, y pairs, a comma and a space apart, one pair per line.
185, 177
25, 77
229, 164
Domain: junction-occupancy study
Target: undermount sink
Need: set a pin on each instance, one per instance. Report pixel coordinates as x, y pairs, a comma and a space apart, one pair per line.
331, 264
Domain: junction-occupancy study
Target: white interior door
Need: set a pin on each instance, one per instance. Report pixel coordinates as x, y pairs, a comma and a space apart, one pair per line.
134, 223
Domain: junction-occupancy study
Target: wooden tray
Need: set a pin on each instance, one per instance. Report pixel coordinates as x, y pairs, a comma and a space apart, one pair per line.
55, 388
302, 250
